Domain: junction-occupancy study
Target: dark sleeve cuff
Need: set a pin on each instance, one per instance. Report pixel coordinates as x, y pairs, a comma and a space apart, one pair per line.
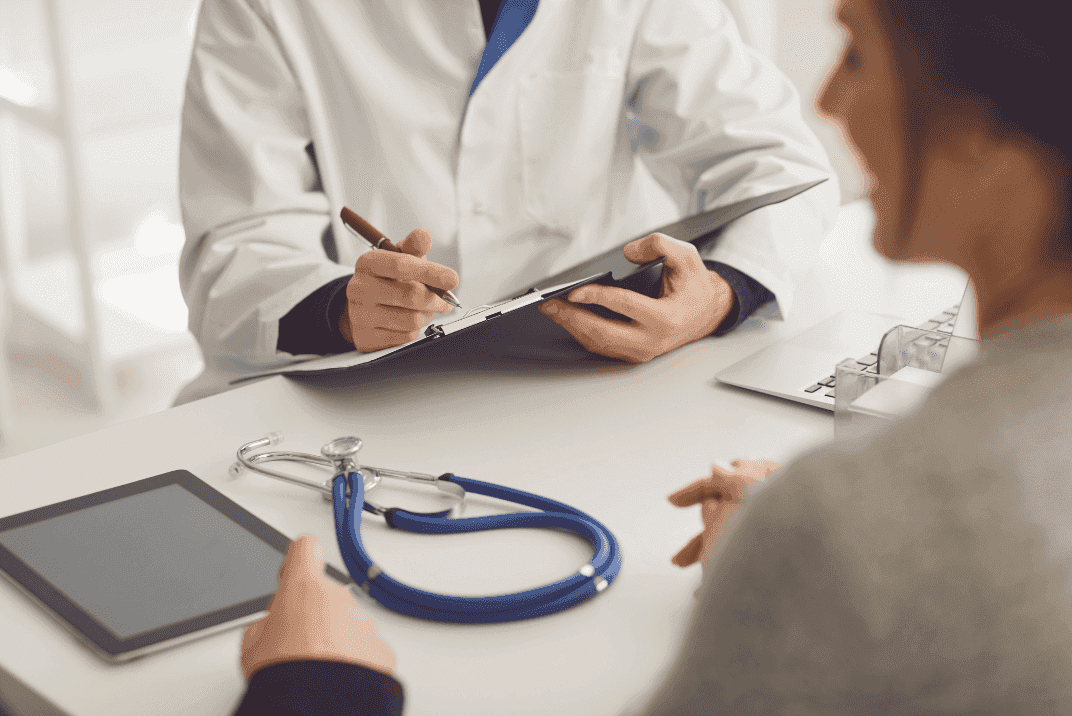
321, 688
312, 326
749, 293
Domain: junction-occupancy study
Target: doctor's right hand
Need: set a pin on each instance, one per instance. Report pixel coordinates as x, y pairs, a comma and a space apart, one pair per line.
313, 618
388, 301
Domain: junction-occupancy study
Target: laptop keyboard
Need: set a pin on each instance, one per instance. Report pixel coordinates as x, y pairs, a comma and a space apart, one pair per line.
942, 323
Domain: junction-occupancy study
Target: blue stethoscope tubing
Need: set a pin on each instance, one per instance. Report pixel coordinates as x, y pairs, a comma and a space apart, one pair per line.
348, 491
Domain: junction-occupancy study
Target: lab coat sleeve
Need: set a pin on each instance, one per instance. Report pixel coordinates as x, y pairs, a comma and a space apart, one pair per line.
252, 204
715, 121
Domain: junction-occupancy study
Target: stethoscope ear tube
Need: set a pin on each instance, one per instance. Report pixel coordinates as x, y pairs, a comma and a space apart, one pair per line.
591, 579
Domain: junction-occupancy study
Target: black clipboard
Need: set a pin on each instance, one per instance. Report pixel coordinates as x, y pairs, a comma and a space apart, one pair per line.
513, 327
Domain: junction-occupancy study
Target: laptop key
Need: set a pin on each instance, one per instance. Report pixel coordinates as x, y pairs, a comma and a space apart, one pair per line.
830, 394
828, 381
814, 388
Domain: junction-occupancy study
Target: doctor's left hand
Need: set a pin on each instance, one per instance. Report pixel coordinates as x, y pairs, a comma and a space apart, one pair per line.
692, 304
313, 618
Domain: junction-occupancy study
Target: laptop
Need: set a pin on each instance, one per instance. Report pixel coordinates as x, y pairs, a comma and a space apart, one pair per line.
801, 368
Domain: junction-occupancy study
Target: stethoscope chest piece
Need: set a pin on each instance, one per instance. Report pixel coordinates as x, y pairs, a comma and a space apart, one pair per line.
341, 449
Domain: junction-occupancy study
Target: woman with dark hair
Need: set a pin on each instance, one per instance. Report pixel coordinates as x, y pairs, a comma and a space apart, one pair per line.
926, 569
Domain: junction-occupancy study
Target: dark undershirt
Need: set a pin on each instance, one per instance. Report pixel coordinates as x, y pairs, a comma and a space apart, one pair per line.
488, 10
312, 326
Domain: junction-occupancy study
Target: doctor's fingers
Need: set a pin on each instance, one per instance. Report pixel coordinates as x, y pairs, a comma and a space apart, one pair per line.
418, 243
680, 255
403, 267
604, 336
368, 340
399, 320
400, 294
630, 304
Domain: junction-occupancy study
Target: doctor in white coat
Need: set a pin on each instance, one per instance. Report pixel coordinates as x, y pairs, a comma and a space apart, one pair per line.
576, 126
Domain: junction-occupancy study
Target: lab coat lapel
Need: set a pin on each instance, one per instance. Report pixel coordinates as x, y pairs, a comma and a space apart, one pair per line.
514, 16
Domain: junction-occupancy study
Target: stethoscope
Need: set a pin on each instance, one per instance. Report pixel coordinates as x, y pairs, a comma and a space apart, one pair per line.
350, 484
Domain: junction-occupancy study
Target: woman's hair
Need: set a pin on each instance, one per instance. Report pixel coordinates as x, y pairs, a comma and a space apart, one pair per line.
1010, 56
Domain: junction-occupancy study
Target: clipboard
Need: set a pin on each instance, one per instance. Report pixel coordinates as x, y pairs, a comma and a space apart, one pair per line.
514, 327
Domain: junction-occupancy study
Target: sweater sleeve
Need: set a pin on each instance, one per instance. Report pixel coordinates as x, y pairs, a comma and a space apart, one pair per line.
321, 688
778, 627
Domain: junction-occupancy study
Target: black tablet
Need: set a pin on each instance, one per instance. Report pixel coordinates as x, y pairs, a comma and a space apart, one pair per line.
145, 566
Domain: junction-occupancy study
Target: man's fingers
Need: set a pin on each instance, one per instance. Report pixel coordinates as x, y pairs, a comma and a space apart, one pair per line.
400, 320
378, 339
304, 560
680, 255
630, 304
418, 243
408, 294
604, 336
690, 553
403, 267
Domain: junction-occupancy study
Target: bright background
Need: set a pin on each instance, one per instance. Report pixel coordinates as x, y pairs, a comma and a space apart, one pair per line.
64, 373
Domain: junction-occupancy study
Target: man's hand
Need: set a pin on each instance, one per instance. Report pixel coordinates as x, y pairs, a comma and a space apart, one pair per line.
388, 301
692, 304
312, 617
719, 497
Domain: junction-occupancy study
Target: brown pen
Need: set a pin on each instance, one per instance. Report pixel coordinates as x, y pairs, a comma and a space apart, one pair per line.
378, 240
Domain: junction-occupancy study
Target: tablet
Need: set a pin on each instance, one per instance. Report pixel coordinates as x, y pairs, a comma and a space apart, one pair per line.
145, 566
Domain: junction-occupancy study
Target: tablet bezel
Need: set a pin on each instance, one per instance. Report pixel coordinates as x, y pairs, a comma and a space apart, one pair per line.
94, 633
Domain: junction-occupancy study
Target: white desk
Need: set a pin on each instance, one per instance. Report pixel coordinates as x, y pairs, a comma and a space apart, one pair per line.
608, 438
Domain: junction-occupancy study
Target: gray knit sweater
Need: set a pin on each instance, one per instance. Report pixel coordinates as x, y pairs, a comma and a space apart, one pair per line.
927, 570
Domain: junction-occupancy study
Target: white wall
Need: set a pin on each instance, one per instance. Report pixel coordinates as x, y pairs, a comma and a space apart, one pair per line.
809, 42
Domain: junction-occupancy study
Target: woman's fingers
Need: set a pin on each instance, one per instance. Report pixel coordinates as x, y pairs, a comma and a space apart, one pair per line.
690, 553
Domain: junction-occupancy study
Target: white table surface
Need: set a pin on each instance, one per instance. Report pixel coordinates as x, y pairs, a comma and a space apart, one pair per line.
608, 438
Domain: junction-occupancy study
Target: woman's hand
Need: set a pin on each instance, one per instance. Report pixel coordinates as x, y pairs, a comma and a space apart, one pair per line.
719, 496
313, 618
693, 303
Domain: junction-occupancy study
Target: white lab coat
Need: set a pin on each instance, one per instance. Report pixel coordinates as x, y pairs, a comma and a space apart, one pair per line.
603, 120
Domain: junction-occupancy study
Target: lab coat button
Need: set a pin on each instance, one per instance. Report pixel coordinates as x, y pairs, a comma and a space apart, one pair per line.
479, 208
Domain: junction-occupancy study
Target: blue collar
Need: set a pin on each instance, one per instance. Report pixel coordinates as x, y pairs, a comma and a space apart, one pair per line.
513, 17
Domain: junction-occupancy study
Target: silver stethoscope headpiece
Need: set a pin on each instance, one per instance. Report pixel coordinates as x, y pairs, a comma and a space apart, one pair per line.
341, 448
339, 456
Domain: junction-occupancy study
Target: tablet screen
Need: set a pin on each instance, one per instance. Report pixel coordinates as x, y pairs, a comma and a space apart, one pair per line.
144, 562
149, 560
